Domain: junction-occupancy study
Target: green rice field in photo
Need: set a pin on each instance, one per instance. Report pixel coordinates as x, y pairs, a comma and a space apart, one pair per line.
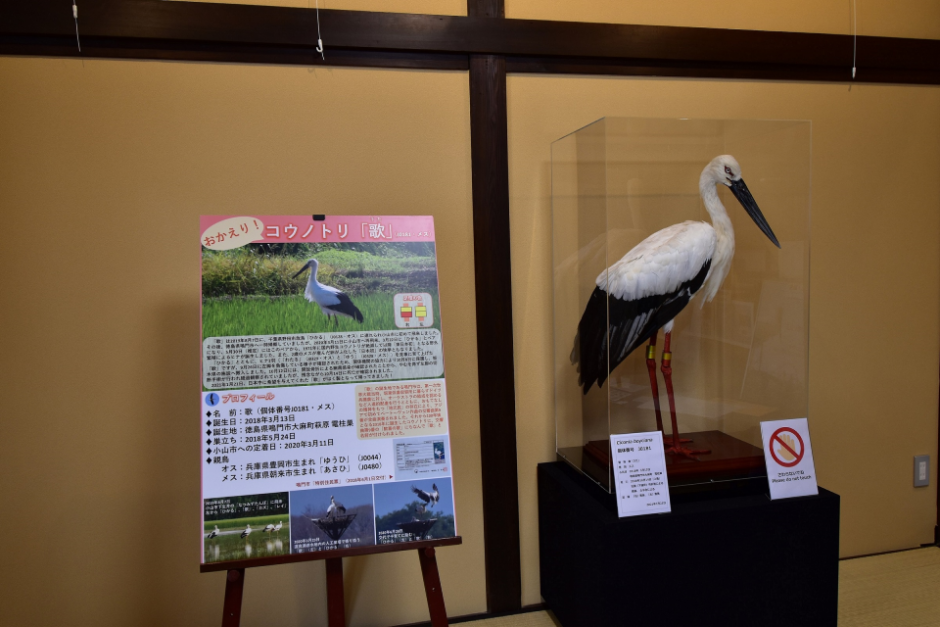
253, 291
229, 545
293, 314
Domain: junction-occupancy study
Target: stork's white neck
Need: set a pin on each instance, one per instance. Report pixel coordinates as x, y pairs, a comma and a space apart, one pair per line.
724, 248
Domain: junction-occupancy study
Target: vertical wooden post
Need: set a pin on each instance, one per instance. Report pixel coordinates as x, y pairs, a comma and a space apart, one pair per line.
232, 606
432, 587
490, 168
335, 598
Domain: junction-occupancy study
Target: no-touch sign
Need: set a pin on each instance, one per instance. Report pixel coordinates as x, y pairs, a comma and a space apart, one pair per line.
783, 446
789, 457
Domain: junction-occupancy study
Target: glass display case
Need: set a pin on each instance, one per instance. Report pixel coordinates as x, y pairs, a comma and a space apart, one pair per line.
737, 359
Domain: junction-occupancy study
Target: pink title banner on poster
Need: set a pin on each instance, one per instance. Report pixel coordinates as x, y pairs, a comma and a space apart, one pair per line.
226, 232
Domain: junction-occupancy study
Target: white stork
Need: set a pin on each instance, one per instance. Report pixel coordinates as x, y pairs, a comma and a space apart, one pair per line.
247, 531
334, 508
268, 528
651, 284
429, 498
277, 527
332, 302
213, 533
420, 509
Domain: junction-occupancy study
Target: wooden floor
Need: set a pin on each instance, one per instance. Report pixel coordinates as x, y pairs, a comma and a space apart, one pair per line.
893, 590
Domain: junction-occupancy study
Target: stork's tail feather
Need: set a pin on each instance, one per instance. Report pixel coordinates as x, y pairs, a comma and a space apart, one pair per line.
590, 349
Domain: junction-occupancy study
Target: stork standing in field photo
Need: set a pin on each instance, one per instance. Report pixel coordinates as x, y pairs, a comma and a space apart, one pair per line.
332, 302
646, 289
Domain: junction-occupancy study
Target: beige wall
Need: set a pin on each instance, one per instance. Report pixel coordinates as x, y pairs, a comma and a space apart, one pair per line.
875, 231
911, 18
105, 166
875, 270
104, 170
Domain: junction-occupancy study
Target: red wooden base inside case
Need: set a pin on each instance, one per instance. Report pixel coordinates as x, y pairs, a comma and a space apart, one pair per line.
730, 458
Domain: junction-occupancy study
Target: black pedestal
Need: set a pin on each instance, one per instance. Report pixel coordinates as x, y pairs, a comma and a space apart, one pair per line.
723, 560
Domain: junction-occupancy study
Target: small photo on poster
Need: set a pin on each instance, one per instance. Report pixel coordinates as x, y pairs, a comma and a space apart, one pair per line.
409, 511
244, 527
422, 457
332, 518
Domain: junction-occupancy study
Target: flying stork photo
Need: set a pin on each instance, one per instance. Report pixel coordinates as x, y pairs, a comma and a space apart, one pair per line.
401, 505
648, 287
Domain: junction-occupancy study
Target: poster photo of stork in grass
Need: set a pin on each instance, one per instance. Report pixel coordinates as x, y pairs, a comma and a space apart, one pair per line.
273, 288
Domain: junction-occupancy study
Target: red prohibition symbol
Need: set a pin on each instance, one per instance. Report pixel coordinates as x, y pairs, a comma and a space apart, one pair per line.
776, 439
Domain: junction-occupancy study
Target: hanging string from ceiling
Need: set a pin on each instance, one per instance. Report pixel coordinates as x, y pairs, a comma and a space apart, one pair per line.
78, 41
319, 38
854, 36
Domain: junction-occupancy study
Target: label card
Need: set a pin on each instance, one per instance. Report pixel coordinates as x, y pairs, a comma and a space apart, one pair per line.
789, 457
639, 472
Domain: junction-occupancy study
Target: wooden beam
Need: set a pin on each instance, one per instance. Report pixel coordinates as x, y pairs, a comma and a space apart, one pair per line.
228, 53
121, 27
496, 375
732, 71
489, 149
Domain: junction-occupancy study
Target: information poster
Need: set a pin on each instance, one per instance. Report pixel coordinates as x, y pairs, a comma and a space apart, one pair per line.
323, 419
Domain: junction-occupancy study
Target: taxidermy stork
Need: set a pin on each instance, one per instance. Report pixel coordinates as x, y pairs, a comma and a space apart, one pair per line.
334, 508
332, 302
644, 291
429, 498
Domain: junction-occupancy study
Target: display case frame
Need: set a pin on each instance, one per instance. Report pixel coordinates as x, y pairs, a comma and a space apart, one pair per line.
737, 360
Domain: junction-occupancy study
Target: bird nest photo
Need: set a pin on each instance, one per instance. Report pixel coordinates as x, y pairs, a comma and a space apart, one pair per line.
281, 288
332, 518
410, 511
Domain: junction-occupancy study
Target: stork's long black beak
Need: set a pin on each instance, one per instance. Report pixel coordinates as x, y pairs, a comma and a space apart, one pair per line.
743, 194
307, 267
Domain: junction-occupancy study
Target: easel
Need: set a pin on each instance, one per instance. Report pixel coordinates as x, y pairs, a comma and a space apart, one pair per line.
335, 600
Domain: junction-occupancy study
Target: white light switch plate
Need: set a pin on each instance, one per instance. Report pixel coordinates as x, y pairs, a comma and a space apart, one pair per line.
921, 471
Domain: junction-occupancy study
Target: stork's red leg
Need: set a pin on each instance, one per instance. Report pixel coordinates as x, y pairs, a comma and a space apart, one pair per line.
674, 446
651, 365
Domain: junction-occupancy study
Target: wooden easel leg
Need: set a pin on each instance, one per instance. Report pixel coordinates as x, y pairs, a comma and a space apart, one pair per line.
335, 603
232, 607
432, 587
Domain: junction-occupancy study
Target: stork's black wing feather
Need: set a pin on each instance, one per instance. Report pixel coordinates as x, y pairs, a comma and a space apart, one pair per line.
632, 323
347, 307
424, 496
